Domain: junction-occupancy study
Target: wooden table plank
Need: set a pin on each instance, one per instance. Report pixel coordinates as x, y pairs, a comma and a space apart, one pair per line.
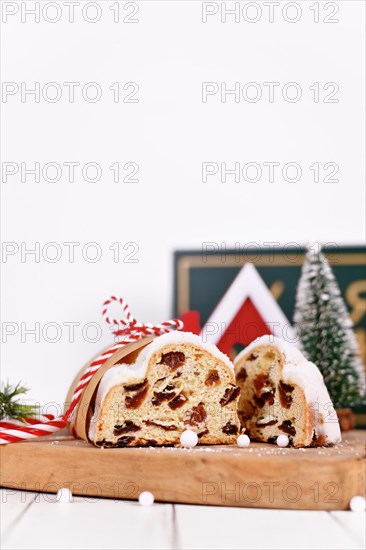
260, 476
215, 528
91, 524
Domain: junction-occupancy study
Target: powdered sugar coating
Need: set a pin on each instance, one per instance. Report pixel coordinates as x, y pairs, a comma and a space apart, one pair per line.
293, 354
305, 374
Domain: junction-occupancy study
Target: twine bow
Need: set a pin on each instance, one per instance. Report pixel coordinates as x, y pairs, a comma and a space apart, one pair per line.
131, 330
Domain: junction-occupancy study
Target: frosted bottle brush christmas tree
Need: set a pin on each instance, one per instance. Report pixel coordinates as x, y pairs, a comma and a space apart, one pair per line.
326, 331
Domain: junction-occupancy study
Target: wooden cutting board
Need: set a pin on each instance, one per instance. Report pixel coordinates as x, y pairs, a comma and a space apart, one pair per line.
260, 476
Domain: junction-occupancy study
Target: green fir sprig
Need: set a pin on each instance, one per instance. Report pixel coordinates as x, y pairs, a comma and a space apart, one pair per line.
11, 407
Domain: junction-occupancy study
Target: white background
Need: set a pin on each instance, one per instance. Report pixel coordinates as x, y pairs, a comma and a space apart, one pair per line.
169, 133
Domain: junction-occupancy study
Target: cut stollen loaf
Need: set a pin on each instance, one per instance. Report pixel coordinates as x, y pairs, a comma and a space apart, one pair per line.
173, 384
283, 393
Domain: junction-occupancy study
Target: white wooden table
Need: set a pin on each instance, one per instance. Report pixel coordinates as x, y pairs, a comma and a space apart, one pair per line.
36, 521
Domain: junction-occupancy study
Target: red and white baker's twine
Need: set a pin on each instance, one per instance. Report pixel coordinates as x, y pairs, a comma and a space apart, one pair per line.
130, 330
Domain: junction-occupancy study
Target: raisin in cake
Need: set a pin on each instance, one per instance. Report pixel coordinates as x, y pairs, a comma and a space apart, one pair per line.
283, 393
175, 383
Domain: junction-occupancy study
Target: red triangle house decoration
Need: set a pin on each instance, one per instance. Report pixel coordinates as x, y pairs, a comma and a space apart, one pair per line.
246, 311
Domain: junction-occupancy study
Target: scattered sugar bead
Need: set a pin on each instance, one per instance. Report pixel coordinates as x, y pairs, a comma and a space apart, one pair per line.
146, 498
358, 504
282, 440
64, 495
243, 440
189, 439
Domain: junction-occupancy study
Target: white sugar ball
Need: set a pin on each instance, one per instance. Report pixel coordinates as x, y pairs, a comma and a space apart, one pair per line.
282, 441
189, 439
243, 440
358, 504
64, 495
146, 498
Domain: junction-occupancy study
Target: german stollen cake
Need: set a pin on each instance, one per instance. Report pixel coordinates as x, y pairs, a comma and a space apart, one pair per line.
283, 393
173, 384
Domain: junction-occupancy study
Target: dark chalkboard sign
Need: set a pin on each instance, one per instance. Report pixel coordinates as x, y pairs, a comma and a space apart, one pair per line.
201, 278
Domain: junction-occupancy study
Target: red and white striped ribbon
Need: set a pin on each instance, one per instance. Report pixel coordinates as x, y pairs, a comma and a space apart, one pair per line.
130, 330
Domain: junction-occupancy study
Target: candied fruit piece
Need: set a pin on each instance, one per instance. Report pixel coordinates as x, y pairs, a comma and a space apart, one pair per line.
242, 375
229, 395
266, 421
166, 427
285, 391
178, 401
165, 395
230, 429
287, 427
173, 359
134, 401
136, 387
213, 378
127, 426
196, 416
125, 440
